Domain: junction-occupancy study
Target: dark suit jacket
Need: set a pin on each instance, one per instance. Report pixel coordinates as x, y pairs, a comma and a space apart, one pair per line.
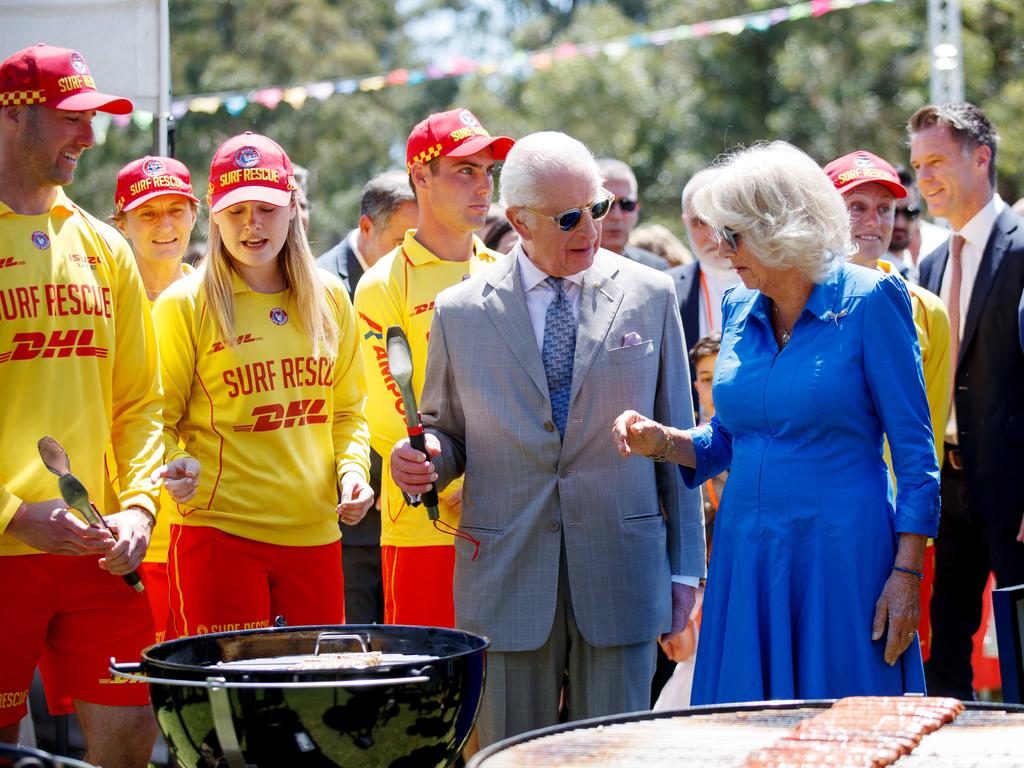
341, 260
687, 282
989, 391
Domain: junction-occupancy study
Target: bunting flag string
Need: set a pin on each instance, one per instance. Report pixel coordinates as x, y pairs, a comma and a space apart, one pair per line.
519, 65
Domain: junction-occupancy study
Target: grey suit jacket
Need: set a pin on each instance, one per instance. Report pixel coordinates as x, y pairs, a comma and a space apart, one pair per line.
628, 525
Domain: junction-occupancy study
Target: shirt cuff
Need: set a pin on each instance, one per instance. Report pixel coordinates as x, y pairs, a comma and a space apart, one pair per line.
686, 581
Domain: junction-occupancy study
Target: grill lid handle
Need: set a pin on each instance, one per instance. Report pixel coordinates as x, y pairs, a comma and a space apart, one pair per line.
363, 640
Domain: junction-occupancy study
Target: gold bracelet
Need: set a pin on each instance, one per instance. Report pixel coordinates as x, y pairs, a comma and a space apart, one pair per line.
664, 455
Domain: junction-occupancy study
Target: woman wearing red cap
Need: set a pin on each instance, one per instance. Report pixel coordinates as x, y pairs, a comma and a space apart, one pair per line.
156, 210
264, 386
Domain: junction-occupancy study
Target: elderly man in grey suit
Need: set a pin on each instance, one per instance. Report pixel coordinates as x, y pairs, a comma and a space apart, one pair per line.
568, 557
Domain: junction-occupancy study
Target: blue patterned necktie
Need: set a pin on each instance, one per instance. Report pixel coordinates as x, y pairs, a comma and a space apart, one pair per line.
558, 352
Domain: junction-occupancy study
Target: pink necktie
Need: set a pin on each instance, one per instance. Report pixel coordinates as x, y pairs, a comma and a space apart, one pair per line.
957, 246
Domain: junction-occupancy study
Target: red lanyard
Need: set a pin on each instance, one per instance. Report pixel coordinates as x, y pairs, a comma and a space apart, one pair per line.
707, 304
709, 484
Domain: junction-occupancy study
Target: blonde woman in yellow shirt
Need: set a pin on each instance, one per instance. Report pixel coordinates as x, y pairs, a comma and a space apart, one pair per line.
264, 386
156, 210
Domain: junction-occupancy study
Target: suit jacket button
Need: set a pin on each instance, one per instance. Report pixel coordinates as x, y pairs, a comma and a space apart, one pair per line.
549, 426
565, 473
553, 526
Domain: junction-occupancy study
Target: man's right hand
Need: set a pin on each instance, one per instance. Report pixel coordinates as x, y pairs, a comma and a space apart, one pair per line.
50, 527
410, 469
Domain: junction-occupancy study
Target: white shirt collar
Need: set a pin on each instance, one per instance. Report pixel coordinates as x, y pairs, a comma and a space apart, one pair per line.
977, 230
532, 275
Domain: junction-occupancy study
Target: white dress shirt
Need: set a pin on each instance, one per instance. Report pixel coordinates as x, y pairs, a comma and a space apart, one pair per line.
975, 234
539, 294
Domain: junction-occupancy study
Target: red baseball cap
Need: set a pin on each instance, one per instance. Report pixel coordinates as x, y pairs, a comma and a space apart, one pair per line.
857, 168
250, 167
455, 133
150, 177
58, 78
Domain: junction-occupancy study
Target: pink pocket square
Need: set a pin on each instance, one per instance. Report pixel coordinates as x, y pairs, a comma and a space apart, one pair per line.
631, 339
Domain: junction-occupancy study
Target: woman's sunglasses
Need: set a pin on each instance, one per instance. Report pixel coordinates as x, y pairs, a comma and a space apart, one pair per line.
730, 236
567, 221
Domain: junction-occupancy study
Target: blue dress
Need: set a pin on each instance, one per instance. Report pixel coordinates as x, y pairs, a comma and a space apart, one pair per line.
806, 533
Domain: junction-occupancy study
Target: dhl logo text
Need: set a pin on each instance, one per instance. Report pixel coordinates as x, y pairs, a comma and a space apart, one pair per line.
246, 338
277, 416
10, 261
30, 345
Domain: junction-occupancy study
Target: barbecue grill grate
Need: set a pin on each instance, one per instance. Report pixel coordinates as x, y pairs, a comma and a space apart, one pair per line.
992, 738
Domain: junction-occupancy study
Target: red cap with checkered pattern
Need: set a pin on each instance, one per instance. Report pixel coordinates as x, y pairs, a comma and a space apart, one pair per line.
455, 133
57, 78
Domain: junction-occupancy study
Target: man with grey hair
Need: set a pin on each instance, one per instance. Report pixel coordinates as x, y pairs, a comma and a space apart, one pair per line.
701, 285
568, 556
979, 274
387, 208
624, 214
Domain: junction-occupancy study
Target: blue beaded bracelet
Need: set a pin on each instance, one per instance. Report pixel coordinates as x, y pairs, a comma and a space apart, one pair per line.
911, 571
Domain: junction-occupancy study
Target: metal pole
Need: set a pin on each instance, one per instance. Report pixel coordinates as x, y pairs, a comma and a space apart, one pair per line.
945, 52
163, 112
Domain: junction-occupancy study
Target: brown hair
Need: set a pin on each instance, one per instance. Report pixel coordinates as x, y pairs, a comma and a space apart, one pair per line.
967, 124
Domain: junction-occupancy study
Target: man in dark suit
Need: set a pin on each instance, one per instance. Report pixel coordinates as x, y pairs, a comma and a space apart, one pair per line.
387, 207
700, 285
620, 181
979, 274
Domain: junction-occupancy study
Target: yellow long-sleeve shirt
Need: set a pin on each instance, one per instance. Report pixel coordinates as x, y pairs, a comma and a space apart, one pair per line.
78, 361
400, 290
167, 511
932, 323
273, 426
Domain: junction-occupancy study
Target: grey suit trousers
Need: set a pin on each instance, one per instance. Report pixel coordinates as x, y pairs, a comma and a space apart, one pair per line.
523, 688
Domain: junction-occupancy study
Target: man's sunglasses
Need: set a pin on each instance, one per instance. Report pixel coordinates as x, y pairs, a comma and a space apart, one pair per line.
627, 204
730, 236
910, 212
567, 221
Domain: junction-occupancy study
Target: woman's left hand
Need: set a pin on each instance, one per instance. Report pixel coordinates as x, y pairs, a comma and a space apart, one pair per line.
900, 606
356, 498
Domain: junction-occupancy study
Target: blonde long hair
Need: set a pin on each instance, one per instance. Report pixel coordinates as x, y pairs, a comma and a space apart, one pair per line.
308, 293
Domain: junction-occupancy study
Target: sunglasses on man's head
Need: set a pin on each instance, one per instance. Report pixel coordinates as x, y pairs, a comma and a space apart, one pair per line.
910, 212
729, 236
567, 221
627, 204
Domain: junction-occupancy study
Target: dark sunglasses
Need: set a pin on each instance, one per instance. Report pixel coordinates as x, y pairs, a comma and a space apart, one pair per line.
730, 236
567, 221
910, 212
627, 204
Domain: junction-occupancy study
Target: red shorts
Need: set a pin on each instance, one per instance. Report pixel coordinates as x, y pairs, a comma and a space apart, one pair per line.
223, 583
418, 585
154, 576
68, 616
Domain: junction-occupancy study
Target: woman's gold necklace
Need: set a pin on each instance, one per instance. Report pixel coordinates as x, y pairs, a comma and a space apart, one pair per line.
784, 334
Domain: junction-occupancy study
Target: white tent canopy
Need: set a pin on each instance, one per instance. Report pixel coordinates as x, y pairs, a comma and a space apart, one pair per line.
124, 42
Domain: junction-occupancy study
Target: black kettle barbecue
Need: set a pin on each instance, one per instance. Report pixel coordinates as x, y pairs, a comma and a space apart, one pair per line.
349, 695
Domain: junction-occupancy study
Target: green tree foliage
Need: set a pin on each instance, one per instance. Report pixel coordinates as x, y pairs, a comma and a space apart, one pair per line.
240, 44
831, 84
